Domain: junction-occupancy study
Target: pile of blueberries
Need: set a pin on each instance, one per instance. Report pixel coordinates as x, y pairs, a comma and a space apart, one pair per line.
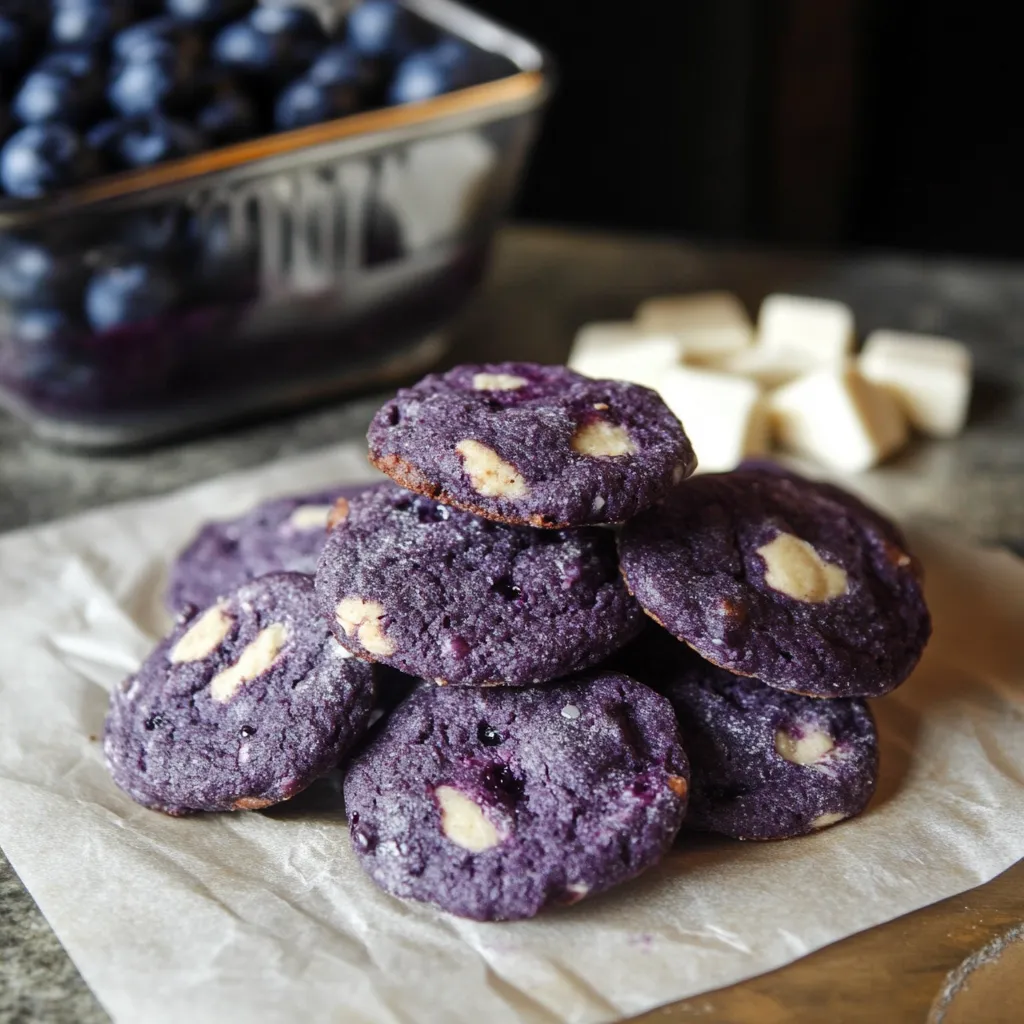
89, 87
93, 313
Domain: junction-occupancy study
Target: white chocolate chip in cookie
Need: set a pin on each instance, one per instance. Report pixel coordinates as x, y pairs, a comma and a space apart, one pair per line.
257, 657
601, 439
204, 636
489, 474
464, 822
824, 820
807, 746
794, 568
361, 618
497, 382
310, 517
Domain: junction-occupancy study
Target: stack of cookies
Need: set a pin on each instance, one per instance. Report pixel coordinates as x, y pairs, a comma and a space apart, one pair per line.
549, 740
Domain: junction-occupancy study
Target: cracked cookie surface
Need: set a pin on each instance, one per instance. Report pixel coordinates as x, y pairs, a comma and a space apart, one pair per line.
240, 706
280, 535
773, 576
442, 594
493, 804
531, 445
764, 764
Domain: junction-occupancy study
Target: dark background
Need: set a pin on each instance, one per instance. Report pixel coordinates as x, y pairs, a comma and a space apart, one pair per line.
831, 122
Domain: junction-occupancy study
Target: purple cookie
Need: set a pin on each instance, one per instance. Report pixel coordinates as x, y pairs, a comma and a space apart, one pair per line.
764, 764
439, 593
209, 566
531, 445
770, 575
280, 535
240, 707
493, 804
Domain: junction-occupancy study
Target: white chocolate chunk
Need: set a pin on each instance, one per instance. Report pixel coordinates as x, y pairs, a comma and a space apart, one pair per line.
361, 618
809, 747
768, 367
838, 417
571, 712
621, 351
818, 328
724, 417
574, 892
204, 636
794, 568
497, 382
709, 325
257, 657
488, 473
930, 378
601, 439
310, 517
464, 822
824, 820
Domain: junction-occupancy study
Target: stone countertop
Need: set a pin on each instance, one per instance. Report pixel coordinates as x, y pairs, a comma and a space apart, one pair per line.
542, 286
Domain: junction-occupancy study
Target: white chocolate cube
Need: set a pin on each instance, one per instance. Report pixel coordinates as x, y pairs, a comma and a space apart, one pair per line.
820, 329
724, 417
930, 377
709, 324
621, 351
838, 417
768, 367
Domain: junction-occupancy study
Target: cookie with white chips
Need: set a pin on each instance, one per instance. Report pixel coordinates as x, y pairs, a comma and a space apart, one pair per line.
242, 706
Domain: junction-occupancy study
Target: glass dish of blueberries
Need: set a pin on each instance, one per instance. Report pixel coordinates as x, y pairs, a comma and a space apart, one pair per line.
211, 208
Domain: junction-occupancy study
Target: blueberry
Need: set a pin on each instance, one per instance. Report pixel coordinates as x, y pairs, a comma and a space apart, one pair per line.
145, 38
43, 158
128, 293
276, 42
383, 28
161, 230
104, 139
87, 23
228, 116
44, 328
426, 74
162, 80
31, 273
62, 87
228, 262
305, 102
340, 64
210, 12
144, 140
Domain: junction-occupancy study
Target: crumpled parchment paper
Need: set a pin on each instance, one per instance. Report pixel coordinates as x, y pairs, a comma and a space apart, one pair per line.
266, 916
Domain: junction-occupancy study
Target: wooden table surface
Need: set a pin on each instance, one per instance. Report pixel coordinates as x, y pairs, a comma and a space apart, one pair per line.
543, 285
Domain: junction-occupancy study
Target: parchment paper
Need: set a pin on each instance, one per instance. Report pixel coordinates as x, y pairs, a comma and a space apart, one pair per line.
266, 916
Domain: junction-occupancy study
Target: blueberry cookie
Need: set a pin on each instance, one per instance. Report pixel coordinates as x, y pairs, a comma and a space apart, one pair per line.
280, 535
531, 445
773, 576
493, 804
764, 764
439, 593
241, 706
